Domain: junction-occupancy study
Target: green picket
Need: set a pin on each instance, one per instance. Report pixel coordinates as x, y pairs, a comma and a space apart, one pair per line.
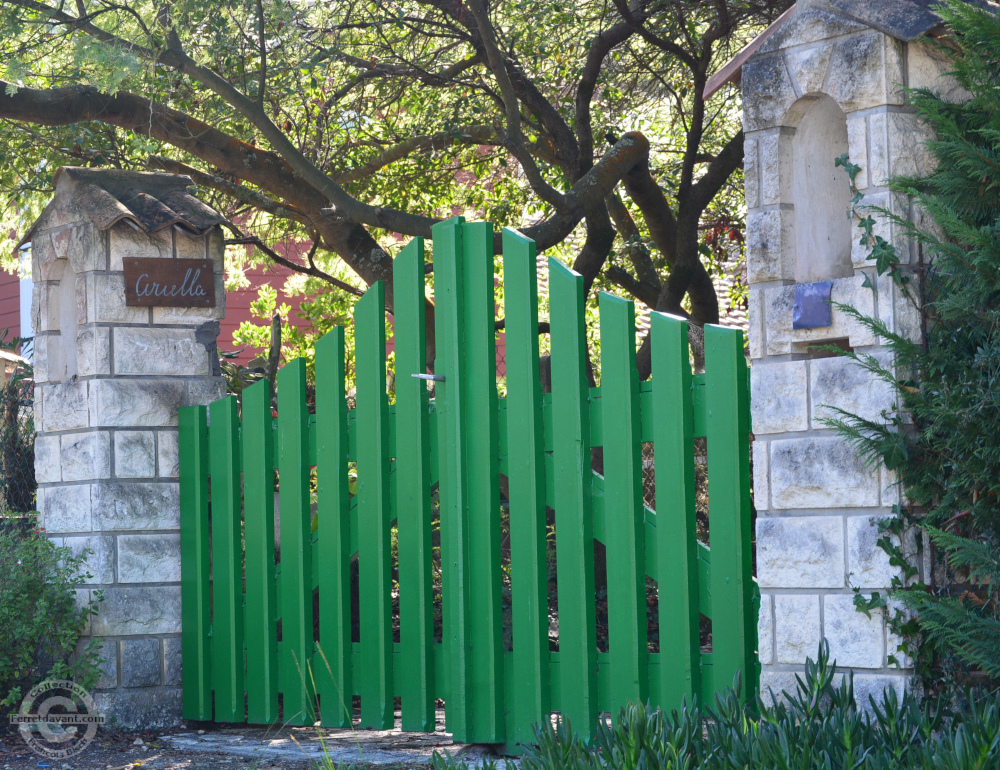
195, 586
676, 538
295, 674
449, 333
572, 483
624, 517
728, 430
374, 513
413, 493
227, 563
529, 699
333, 524
258, 512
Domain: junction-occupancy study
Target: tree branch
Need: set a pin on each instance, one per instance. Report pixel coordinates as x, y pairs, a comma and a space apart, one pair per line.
253, 240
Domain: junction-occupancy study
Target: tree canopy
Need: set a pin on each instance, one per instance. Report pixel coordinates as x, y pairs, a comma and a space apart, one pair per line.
352, 123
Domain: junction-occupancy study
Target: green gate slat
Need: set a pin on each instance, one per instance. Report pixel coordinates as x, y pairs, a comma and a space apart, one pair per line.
413, 489
195, 585
449, 333
483, 467
572, 482
295, 678
528, 699
333, 518
676, 537
374, 513
261, 620
623, 512
227, 563
733, 624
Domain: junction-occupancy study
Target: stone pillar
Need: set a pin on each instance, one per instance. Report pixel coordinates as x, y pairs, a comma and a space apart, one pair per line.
109, 381
823, 85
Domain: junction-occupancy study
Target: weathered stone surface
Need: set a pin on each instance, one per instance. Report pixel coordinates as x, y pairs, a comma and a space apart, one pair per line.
857, 142
893, 642
779, 402
172, 662
136, 505
162, 352
41, 355
195, 316
927, 67
42, 256
93, 351
65, 508
857, 75
808, 67
149, 558
86, 456
188, 246
765, 631
820, 472
751, 171
107, 660
106, 301
769, 93
775, 166
140, 662
796, 628
65, 406
47, 467
775, 686
856, 641
779, 302
770, 242
136, 403
128, 242
810, 27
167, 465
867, 563
100, 560
148, 708
755, 317
908, 151
135, 454
873, 687
205, 390
83, 245
761, 476
802, 552
133, 611
842, 383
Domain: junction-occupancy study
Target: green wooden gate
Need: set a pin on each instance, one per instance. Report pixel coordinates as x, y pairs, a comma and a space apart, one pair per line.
464, 439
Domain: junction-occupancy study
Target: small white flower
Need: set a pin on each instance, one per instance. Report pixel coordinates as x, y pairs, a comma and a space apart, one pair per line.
19, 562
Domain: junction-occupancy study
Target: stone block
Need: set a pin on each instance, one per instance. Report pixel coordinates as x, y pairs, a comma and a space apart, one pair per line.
86, 456
867, 564
82, 600
751, 172
65, 509
93, 351
755, 318
129, 242
869, 688
217, 250
801, 552
908, 152
140, 662
775, 166
138, 610
878, 134
107, 660
141, 709
796, 628
195, 316
779, 303
857, 75
188, 246
43, 255
820, 472
928, 67
765, 631
65, 407
770, 244
83, 245
41, 354
841, 383
856, 641
768, 93
857, 143
47, 467
779, 397
893, 641
172, 662
808, 67
898, 309
136, 505
167, 463
149, 558
161, 352
136, 403
810, 26
776, 686
205, 390
100, 559
761, 476
106, 301
135, 454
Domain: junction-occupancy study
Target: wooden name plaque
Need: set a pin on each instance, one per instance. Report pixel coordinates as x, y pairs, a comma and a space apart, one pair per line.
155, 282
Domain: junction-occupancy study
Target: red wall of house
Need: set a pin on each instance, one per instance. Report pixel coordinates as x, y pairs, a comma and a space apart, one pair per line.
10, 303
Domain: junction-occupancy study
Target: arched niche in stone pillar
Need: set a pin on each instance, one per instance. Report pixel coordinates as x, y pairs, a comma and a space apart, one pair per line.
823, 231
63, 314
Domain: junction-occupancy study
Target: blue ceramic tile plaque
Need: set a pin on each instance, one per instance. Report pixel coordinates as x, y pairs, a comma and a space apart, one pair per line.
812, 305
